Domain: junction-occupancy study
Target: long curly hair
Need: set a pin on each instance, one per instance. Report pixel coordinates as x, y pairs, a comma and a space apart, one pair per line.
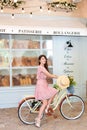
46, 64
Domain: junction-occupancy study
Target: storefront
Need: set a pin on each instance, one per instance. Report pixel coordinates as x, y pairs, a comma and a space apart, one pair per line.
20, 47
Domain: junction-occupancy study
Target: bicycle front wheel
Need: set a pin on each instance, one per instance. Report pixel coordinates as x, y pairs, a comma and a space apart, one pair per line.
28, 110
72, 107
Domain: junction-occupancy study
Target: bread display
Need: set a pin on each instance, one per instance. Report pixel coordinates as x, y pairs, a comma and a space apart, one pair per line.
4, 43
20, 44
19, 60
25, 61
4, 59
34, 44
25, 44
24, 80
0, 80
4, 80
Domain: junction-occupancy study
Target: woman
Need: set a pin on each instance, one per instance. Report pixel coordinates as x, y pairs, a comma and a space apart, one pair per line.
42, 91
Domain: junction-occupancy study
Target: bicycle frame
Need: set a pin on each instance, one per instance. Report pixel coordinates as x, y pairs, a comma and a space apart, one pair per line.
59, 97
28, 104
56, 101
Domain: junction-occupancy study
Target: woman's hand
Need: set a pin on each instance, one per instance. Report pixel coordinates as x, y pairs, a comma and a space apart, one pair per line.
55, 76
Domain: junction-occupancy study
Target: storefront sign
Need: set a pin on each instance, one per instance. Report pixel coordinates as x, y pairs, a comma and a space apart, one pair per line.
43, 30
66, 33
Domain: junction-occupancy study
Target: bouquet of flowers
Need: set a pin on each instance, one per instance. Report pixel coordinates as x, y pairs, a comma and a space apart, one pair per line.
72, 81
71, 85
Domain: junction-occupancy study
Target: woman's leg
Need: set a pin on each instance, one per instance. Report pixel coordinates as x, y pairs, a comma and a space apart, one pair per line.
42, 108
50, 100
48, 103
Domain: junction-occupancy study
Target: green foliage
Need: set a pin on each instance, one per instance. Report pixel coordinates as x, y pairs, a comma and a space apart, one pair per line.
56, 87
68, 6
72, 81
10, 3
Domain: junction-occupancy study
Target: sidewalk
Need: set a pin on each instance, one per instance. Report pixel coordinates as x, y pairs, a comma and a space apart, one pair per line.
9, 121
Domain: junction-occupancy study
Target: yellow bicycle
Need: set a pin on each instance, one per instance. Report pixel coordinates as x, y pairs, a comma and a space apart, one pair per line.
70, 106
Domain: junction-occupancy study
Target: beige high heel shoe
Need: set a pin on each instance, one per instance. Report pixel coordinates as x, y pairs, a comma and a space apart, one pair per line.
37, 122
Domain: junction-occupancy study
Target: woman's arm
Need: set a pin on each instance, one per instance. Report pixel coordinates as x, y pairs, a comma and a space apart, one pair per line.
49, 74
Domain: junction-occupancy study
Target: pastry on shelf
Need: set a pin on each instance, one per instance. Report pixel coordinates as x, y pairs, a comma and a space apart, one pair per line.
15, 81
17, 61
20, 44
5, 80
34, 44
33, 78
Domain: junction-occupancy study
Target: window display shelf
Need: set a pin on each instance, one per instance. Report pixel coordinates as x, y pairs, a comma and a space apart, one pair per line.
19, 58
3, 68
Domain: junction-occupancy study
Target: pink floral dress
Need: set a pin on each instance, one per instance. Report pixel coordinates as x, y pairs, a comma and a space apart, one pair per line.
43, 90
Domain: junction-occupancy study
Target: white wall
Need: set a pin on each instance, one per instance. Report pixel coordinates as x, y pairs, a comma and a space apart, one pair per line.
77, 56
10, 97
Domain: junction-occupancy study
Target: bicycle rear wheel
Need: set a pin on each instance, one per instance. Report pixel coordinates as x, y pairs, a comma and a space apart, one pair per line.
72, 107
27, 110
